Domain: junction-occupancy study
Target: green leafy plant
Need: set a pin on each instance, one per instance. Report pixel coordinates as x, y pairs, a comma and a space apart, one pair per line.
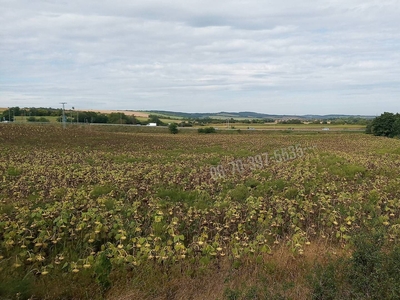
173, 128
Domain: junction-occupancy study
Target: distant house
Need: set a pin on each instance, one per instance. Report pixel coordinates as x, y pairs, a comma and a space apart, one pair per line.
152, 124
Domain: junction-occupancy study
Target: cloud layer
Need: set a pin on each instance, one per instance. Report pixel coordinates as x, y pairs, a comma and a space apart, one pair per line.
202, 56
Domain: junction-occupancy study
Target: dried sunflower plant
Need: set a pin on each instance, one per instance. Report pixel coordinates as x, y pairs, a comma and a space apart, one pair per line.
260, 161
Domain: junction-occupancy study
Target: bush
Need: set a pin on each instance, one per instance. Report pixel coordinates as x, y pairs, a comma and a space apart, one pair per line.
367, 266
324, 282
173, 128
206, 130
371, 272
44, 120
41, 119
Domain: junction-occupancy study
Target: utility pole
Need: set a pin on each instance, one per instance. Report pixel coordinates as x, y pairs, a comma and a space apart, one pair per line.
63, 115
9, 115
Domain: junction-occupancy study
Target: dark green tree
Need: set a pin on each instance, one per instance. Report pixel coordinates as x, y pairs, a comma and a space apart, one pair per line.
156, 119
387, 124
117, 118
396, 126
11, 113
368, 129
173, 128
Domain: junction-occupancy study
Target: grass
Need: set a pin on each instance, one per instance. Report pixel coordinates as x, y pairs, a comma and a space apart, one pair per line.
13, 171
275, 276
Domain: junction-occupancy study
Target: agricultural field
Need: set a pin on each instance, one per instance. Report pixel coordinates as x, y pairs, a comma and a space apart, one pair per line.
301, 127
108, 212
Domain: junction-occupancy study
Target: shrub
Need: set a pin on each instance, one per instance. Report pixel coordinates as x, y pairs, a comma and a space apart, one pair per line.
173, 128
371, 272
41, 119
206, 130
324, 282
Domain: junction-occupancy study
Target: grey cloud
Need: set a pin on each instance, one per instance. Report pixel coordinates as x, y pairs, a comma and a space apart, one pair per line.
318, 57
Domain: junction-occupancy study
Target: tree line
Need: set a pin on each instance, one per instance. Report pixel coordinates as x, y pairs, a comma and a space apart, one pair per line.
39, 115
16, 111
387, 124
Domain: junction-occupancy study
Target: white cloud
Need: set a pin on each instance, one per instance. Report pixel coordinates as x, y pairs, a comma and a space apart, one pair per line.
267, 56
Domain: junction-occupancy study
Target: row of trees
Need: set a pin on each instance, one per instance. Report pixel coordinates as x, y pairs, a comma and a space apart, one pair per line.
112, 118
291, 121
205, 121
351, 121
387, 124
39, 114
94, 117
16, 111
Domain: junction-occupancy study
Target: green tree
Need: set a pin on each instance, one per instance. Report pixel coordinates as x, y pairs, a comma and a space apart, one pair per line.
11, 113
387, 124
117, 118
156, 119
173, 128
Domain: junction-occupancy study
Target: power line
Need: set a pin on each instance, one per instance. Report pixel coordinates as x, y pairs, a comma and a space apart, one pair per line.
63, 115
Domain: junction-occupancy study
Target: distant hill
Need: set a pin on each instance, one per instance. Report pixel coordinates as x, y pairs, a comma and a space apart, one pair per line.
250, 115
182, 115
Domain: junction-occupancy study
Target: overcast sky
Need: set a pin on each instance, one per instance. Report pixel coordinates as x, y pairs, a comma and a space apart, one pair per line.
278, 57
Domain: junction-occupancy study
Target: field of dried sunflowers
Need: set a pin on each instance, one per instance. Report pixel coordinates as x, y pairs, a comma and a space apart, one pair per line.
139, 214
